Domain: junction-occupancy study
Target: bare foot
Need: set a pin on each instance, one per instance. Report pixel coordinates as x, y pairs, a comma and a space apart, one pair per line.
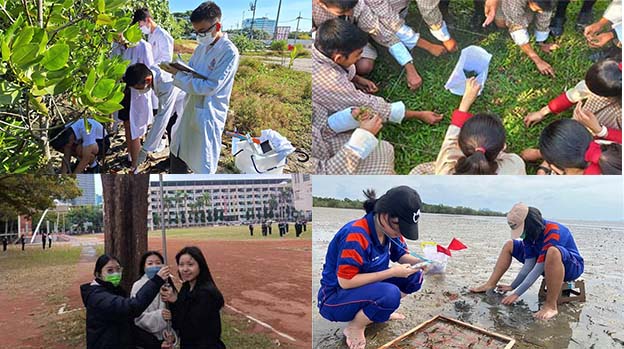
531, 154
450, 45
436, 50
546, 313
355, 337
481, 289
397, 316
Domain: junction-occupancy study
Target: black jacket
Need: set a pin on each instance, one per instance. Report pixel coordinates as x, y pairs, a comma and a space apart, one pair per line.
196, 316
110, 313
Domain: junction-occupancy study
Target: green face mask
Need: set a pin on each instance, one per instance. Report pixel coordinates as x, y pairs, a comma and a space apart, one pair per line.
114, 278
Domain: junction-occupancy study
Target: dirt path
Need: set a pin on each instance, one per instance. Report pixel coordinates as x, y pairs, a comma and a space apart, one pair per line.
266, 280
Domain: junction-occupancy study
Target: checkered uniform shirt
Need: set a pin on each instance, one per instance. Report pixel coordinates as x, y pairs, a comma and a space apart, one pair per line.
430, 13
388, 12
363, 17
518, 15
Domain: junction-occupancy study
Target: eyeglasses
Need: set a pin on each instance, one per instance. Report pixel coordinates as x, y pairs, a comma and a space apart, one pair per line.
203, 34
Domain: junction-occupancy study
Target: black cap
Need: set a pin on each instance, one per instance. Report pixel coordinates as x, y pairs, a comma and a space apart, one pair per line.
403, 203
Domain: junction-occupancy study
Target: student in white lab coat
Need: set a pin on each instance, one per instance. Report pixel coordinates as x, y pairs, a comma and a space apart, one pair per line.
138, 105
197, 145
159, 38
170, 104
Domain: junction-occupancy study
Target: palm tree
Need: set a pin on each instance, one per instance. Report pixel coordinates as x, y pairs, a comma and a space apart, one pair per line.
168, 203
272, 204
207, 201
178, 199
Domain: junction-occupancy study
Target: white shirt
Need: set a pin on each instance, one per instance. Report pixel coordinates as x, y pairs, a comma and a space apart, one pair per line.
97, 131
198, 139
170, 100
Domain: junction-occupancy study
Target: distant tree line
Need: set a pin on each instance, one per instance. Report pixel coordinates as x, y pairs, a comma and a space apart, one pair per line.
427, 208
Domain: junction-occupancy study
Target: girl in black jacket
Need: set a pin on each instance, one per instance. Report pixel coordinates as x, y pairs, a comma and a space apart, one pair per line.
196, 310
110, 312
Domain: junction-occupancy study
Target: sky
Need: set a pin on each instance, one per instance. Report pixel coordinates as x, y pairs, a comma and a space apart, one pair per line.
596, 198
232, 11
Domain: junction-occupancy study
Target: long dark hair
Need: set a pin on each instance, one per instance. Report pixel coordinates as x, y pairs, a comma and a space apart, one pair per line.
481, 139
611, 159
204, 278
101, 262
144, 258
564, 142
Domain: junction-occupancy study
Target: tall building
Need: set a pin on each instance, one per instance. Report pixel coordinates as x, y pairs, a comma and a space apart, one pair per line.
302, 192
86, 183
221, 201
262, 23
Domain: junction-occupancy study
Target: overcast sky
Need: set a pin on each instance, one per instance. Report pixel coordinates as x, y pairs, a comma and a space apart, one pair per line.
558, 197
232, 11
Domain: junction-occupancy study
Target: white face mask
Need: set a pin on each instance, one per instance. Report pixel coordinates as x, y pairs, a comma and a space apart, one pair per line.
145, 90
208, 39
146, 30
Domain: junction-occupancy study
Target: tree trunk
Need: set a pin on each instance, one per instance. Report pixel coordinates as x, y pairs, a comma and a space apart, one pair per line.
125, 221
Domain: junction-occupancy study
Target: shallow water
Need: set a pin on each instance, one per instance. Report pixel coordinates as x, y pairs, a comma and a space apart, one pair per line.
597, 323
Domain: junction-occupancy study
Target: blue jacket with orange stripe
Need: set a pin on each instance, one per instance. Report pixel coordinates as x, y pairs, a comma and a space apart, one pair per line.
555, 234
356, 249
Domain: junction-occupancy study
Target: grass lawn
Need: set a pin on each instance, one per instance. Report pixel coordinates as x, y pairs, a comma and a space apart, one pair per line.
229, 233
514, 86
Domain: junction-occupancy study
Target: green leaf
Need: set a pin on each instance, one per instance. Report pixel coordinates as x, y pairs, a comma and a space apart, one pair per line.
133, 34
122, 23
118, 95
6, 51
101, 6
113, 4
90, 82
42, 38
63, 86
103, 19
69, 32
56, 57
102, 118
37, 104
9, 93
108, 107
87, 124
25, 54
24, 37
103, 88
36, 91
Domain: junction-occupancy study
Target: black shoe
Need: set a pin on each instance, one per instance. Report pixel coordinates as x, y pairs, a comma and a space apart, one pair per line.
584, 19
556, 26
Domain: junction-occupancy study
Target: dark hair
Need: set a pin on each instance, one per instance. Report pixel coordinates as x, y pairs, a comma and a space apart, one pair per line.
337, 36
59, 137
144, 258
136, 74
141, 14
101, 262
204, 278
341, 4
545, 5
533, 224
371, 199
611, 159
207, 11
564, 143
481, 131
604, 79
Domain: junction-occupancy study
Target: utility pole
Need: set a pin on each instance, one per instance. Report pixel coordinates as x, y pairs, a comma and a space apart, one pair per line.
297, 30
279, 6
252, 7
243, 21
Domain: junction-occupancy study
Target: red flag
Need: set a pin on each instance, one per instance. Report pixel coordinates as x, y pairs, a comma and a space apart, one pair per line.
456, 245
444, 250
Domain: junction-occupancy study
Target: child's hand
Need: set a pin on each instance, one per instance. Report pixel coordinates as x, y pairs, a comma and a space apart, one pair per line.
587, 118
544, 68
403, 270
600, 40
509, 300
533, 118
372, 124
414, 81
430, 117
470, 93
369, 86
591, 30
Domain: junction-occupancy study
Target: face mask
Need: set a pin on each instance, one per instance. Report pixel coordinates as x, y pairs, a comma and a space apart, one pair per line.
114, 278
146, 30
152, 270
208, 39
144, 91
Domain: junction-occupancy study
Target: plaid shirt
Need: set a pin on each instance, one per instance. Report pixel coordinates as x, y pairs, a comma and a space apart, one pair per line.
333, 90
518, 15
388, 12
430, 13
363, 17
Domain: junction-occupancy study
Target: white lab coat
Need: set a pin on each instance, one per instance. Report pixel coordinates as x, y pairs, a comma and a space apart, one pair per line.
170, 100
198, 140
162, 45
141, 106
